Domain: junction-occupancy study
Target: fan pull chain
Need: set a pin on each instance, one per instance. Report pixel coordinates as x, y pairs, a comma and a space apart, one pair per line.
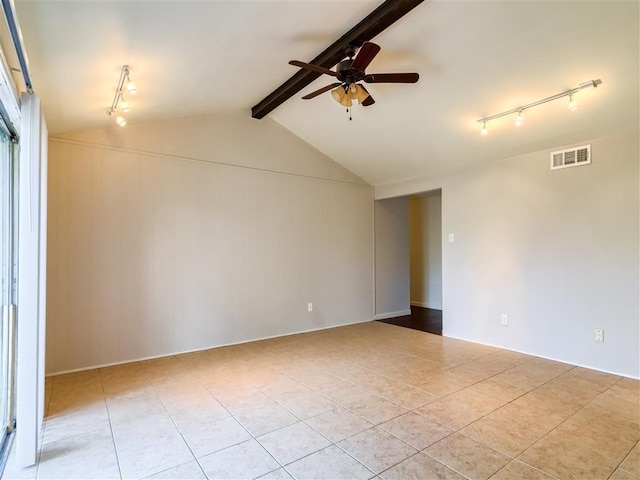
349, 112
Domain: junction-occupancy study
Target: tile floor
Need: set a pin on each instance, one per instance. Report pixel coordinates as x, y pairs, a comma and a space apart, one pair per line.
364, 401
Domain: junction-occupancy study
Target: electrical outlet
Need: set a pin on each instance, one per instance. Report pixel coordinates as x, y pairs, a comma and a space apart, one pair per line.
452, 238
309, 307
504, 319
599, 335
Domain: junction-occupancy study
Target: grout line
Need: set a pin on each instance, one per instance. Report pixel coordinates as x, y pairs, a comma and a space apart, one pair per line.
113, 437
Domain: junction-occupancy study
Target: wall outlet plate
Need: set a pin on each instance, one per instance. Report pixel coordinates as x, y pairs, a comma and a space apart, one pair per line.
504, 319
599, 335
309, 307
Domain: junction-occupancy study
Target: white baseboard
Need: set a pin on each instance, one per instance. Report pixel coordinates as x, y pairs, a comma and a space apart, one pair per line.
382, 316
425, 305
211, 347
590, 367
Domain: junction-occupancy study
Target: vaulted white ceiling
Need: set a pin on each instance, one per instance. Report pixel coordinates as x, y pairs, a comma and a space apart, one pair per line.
474, 58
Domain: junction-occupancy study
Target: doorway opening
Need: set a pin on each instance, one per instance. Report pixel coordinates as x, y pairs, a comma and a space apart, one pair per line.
425, 263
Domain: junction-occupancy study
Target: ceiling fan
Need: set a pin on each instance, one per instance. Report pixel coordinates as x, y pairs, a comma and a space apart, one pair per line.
351, 71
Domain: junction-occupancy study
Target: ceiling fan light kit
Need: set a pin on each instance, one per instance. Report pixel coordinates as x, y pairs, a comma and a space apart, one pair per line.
124, 83
573, 104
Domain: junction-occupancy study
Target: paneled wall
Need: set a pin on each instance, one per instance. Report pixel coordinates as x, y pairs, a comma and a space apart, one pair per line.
152, 254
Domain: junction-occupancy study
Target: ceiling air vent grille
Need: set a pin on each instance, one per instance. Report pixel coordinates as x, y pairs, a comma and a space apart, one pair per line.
572, 157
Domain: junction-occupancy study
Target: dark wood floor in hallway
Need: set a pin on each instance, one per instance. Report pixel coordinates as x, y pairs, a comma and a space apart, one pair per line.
424, 319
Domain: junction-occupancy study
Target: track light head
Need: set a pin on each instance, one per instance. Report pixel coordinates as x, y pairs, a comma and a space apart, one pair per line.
573, 105
519, 119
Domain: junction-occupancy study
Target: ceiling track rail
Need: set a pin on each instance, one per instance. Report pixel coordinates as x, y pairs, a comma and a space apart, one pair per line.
18, 44
376, 22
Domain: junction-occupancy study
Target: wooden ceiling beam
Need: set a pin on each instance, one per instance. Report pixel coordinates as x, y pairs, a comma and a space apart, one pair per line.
376, 22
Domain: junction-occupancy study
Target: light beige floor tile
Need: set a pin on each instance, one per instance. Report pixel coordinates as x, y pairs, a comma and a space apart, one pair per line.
76, 384
467, 457
622, 399
338, 424
407, 396
177, 385
62, 400
279, 474
284, 388
205, 438
588, 445
518, 470
596, 380
376, 382
155, 454
141, 428
376, 449
620, 474
460, 409
195, 407
549, 404
293, 442
186, 471
265, 419
125, 412
420, 467
631, 464
330, 462
308, 404
76, 421
375, 409
162, 367
443, 383
81, 457
243, 400
416, 430
494, 387
509, 430
543, 368
343, 392
242, 461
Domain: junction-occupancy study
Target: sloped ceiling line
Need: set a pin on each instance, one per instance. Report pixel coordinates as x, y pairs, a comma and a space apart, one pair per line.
376, 22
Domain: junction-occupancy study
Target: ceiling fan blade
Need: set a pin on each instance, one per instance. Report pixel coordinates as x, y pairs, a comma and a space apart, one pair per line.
365, 55
392, 78
311, 66
369, 100
314, 94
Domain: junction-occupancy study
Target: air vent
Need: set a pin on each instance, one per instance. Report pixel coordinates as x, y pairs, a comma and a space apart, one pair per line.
572, 157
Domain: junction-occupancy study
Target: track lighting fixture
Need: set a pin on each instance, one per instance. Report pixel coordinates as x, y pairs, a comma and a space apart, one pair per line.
519, 119
573, 105
118, 97
568, 93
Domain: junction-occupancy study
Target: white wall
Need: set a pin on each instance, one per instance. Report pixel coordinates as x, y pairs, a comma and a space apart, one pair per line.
425, 244
182, 235
392, 258
555, 250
